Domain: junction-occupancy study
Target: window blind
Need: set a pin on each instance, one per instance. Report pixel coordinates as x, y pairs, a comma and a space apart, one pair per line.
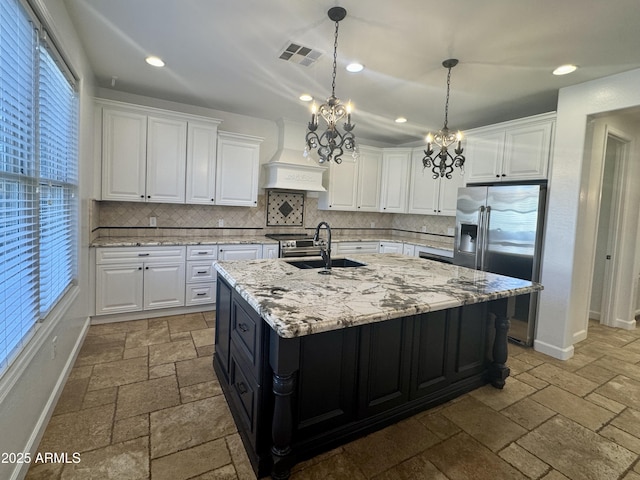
57, 120
38, 181
18, 198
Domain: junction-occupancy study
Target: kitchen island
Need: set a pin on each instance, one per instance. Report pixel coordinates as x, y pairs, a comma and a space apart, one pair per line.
308, 361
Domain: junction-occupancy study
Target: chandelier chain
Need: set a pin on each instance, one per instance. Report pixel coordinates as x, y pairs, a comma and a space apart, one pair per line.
446, 104
335, 61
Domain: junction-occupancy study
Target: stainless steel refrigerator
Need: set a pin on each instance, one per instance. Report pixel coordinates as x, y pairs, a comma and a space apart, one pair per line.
499, 229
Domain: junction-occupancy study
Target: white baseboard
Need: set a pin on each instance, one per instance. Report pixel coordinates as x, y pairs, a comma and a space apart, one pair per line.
579, 336
594, 315
161, 312
624, 324
553, 350
47, 412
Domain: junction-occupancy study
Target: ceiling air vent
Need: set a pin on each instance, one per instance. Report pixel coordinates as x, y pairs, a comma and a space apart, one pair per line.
301, 55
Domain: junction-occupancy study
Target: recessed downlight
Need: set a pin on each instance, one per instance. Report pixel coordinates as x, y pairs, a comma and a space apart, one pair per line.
401, 120
355, 67
155, 61
305, 97
565, 69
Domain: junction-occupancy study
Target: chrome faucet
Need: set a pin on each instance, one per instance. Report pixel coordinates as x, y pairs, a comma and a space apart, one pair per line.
325, 249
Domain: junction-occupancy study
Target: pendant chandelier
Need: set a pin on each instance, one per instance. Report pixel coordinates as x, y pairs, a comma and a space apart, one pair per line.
442, 164
332, 143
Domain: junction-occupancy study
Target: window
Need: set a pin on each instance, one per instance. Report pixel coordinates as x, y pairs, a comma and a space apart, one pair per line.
38, 179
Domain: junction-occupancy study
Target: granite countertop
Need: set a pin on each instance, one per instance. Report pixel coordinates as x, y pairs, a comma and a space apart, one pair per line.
150, 241
297, 302
178, 240
444, 244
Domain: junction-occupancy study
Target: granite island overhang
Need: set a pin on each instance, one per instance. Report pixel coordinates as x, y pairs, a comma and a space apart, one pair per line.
310, 361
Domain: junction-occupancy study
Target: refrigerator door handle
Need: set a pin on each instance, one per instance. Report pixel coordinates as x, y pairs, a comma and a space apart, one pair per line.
485, 233
479, 236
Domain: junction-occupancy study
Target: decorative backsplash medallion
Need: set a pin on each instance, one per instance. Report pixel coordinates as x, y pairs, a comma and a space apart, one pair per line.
285, 209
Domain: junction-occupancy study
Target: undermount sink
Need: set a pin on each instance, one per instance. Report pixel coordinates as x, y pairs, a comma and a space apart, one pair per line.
335, 263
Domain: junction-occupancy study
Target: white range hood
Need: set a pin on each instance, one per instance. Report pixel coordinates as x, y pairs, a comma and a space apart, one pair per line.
288, 169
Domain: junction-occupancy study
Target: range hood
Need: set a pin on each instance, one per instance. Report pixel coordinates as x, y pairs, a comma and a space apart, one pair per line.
288, 169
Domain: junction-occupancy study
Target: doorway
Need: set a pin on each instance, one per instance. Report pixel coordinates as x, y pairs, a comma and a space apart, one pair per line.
602, 306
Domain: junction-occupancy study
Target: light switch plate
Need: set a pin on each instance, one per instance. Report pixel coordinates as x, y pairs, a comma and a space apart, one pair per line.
153, 222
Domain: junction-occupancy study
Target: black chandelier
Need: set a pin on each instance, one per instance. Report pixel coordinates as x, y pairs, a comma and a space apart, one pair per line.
331, 144
442, 164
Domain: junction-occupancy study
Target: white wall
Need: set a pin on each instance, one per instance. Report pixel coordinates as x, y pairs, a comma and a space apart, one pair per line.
30, 388
571, 212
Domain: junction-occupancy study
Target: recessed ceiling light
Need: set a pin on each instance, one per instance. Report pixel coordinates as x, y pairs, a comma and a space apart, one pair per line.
401, 120
155, 61
355, 67
305, 97
564, 69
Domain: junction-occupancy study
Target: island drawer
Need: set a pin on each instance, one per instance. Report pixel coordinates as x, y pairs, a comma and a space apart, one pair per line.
245, 393
246, 335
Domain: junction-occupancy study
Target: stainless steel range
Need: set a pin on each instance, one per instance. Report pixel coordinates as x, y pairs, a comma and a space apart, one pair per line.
297, 245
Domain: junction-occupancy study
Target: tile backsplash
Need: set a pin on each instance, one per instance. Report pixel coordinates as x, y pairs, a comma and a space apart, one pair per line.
110, 218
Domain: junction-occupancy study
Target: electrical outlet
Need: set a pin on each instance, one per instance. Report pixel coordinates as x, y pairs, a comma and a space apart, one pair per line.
424, 229
54, 347
153, 222
373, 224
221, 222
451, 231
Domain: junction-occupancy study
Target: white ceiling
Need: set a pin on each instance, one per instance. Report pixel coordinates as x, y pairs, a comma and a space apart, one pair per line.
223, 54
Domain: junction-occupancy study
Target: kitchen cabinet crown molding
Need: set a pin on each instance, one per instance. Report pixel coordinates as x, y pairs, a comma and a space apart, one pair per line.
154, 110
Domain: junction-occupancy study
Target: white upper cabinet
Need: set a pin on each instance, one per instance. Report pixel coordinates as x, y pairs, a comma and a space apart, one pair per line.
369, 179
510, 151
432, 196
423, 188
202, 141
166, 166
237, 170
342, 185
395, 179
124, 154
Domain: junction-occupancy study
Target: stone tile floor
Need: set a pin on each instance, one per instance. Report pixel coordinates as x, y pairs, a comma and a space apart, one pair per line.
142, 402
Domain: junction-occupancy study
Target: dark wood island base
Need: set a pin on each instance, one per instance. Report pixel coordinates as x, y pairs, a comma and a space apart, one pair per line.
293, 398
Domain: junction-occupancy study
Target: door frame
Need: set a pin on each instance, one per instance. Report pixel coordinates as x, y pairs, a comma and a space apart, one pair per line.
611, 303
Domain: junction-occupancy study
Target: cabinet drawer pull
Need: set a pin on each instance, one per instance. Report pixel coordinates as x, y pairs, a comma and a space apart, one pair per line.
143, 254
200, 273
202, 253
358, 248
242, 388
201, 294
243, 327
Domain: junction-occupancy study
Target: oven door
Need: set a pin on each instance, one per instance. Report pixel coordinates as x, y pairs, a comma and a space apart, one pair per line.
288, 252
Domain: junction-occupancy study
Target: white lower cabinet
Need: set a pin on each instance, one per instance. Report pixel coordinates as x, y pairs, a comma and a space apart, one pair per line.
132, 279
244, 251
201, 275
390, 247
270, 250
409, 249
347, 248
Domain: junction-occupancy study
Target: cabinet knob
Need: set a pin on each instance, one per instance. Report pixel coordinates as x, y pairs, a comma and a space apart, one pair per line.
139, 268
146, 268
242, 388
141, 196
497, 176
212, 199
148, 196
243, 327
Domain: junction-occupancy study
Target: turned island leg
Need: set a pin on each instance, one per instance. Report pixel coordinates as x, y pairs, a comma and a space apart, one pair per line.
284, 360
498, 370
